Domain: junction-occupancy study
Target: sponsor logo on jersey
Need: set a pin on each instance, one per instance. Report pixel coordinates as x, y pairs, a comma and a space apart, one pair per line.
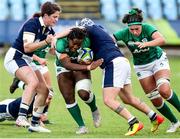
140, 50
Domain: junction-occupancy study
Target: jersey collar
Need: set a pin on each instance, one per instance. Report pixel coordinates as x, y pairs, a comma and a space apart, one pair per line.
41, 21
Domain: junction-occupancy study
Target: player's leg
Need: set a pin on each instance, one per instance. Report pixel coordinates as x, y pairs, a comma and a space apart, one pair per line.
67, 89
39, 104
14, 85
162, 77
146, 77
114, 76
128, 98
16, 65
27, 75
164, 89
46, 74
156, 99
161, 89
83, 87
110, 99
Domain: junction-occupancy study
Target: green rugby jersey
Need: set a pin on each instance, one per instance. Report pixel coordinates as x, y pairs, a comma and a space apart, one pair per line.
62, 47
144, 55
41, 52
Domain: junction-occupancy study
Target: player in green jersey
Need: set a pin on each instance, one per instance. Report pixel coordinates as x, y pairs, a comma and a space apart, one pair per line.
72, 76
150, 63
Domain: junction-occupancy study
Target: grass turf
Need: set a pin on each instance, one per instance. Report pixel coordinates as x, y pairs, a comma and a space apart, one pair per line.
113, 126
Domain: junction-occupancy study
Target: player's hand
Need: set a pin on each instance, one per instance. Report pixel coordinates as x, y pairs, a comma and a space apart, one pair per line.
49, 38
53, 42
95, 64
140, 44
42, 61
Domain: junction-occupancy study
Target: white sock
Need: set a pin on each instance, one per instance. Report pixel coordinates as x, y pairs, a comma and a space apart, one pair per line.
131, 119
21, 84
151, 113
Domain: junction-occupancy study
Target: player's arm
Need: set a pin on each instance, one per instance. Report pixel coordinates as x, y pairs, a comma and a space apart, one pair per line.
52, 51
30, 30
30, 45
61, 34
41, 61
66, 61
158, 40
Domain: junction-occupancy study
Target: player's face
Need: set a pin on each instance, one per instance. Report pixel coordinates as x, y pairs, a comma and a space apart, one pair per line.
52, 19
75, 44
135, 29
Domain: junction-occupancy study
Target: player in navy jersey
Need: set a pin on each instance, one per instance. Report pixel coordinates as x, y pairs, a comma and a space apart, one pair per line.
35, 33
40, 61
116, 77
9, 109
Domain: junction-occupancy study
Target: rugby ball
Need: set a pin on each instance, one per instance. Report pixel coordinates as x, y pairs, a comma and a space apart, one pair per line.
85, 56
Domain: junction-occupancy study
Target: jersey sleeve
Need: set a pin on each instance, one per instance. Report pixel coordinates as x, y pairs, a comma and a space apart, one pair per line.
30, 27
150, 29
60, 46
29, 31
119, 35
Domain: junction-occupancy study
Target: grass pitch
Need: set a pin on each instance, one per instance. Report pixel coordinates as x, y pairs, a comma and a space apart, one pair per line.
63, 126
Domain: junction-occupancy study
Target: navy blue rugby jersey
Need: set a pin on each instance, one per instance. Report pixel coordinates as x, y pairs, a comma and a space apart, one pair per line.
102, 44
32, 25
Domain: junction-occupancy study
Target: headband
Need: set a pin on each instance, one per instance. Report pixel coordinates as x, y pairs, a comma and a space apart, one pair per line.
134, 23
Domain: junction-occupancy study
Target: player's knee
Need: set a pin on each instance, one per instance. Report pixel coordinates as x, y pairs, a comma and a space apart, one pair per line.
91, 96
84, 95
84, 84
165, 91
162, 81
107, 101
126, 102
83, 88
130, 101
164, 87
33, 84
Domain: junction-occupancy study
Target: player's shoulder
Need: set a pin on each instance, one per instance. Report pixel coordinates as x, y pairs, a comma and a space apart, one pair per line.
32, 22
61, 44
147, 25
